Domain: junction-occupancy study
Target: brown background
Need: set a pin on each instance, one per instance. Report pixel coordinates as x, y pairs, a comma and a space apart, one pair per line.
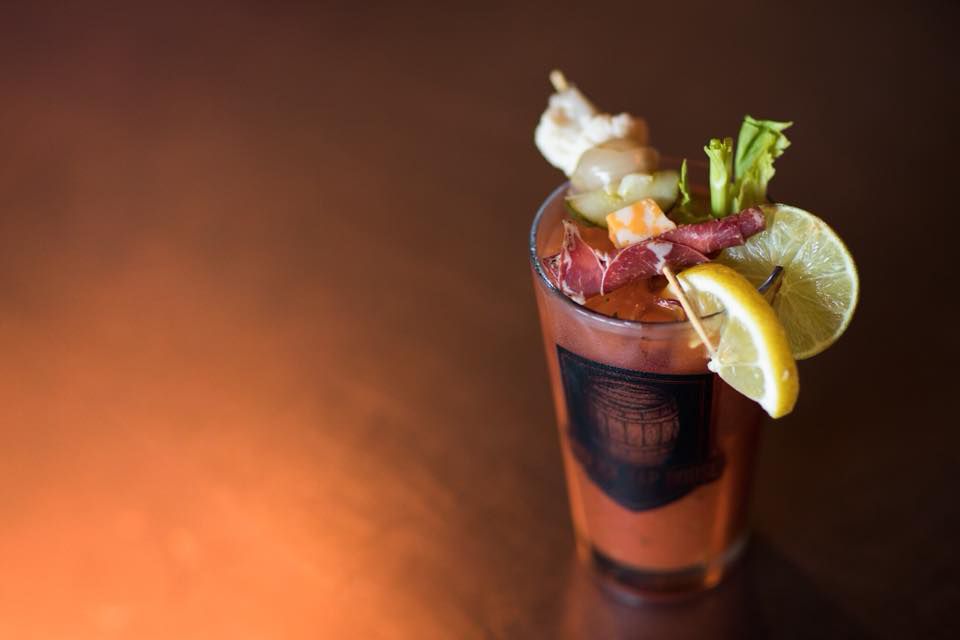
269, 359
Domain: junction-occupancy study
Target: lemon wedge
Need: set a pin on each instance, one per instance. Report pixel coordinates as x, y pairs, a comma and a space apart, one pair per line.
752, 354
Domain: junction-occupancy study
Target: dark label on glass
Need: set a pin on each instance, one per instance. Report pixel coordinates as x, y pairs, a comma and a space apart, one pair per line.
644, 438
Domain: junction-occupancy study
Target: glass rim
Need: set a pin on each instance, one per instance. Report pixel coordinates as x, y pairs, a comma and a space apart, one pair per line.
590, 313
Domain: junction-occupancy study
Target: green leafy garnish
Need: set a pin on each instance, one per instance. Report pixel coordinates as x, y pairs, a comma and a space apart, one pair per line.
687, 210
759, 137
684, 186
760, 142
720, 153
740, 182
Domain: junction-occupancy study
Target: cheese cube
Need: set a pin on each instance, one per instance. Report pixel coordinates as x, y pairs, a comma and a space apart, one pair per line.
638, 222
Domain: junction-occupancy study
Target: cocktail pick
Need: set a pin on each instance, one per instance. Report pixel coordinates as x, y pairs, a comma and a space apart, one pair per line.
558, 80
688, 309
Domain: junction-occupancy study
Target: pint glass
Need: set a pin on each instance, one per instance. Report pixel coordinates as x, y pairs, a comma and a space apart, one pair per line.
658, 451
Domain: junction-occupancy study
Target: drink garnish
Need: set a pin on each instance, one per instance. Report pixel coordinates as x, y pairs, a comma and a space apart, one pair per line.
731, 231
720, 153
582, 271
603, 165
645, 260
579, 267
752, 354
688, 210
819, 288
760, 143
657, 223
571, 125
594, 206
637, 222
741, 182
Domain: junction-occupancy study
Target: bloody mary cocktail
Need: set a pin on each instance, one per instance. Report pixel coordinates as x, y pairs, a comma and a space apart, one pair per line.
658, 451
672, 319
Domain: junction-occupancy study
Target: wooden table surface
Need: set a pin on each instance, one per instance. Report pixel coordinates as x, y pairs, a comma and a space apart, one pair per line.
270, 365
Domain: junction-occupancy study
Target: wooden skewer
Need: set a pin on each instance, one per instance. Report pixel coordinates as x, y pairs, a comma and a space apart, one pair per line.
691, 314
558, 80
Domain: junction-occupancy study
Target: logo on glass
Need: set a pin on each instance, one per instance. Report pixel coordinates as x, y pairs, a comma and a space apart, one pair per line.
644, 438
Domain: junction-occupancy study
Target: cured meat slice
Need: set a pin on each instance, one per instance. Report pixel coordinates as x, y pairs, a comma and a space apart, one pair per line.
751, 221
551, 264
707, 237
581, 271
645, 260
580, 267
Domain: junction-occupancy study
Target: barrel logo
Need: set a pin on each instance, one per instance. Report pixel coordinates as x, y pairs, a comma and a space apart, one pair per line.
644, 438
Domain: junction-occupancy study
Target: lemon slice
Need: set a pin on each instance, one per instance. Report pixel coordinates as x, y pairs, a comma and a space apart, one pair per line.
752, 354
820, 286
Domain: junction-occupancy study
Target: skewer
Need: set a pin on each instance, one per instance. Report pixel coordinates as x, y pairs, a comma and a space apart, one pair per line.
691, 314
558, 80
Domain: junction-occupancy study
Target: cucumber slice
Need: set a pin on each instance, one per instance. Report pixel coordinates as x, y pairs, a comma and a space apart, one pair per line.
664, 188
595, 206
576, 215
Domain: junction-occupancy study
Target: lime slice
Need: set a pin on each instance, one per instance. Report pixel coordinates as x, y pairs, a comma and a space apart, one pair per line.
752, 354
819, 288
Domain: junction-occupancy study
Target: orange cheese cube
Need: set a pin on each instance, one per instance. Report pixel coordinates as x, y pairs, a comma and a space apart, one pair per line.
638, 222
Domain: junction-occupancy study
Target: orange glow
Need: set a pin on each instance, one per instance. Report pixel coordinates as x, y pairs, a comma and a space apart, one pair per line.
185, 422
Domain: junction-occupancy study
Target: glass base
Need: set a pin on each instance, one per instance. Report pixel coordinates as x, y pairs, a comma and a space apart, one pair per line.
635, 586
